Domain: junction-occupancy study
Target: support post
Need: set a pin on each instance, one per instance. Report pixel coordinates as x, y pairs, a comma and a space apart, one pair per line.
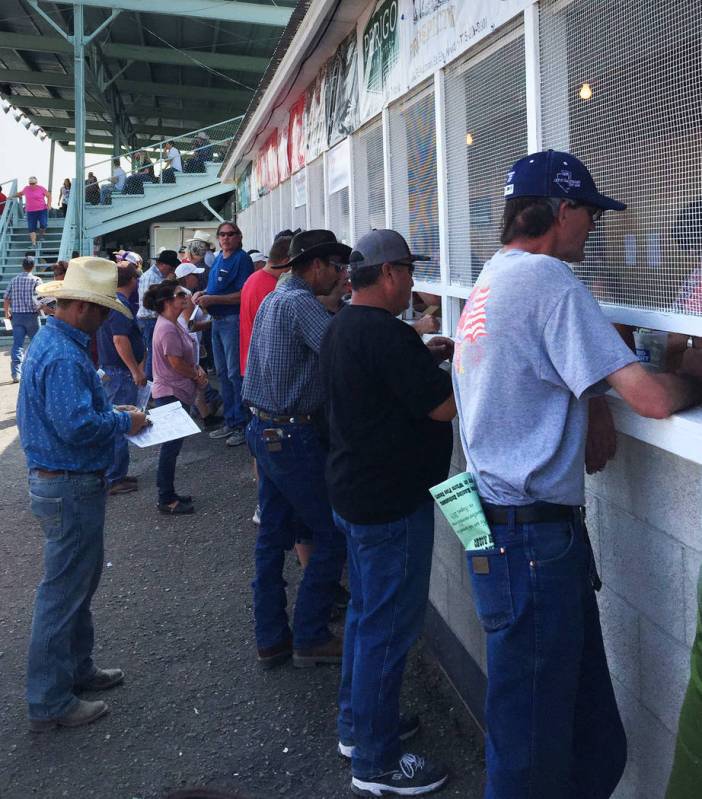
79, 95
52, 151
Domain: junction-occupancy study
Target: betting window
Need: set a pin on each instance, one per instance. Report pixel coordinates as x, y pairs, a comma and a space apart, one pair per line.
486, 132
620, 88
285, 207
369, 178
413, 179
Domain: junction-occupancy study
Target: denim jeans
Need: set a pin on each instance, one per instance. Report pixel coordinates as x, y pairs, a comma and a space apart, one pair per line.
120, 390
553, 727
147, 333
291, 492
24, 325
71, 510
225, 348
167, 457
389, 567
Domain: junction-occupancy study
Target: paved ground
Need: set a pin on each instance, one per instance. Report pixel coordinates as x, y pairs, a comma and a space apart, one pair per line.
174, 611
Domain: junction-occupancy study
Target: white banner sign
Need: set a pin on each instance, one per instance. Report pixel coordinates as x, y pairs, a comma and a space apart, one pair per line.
299, 180
437, 31
339, 166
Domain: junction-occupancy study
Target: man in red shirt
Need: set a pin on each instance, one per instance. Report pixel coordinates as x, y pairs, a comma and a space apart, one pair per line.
3, 200
258, 286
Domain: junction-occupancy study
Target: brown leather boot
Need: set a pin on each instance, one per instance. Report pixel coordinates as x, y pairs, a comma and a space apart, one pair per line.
329, 652
83, 713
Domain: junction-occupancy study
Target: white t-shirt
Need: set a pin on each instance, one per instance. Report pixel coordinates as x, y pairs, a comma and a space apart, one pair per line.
121, 175
173, 157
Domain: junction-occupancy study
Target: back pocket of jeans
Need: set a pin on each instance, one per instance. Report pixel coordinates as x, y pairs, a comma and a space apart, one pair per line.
492, 591
49, 511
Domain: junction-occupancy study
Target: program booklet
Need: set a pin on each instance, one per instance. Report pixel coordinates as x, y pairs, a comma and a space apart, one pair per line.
459, 501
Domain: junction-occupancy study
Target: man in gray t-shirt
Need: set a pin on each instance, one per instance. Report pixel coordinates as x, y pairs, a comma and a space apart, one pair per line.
534, 355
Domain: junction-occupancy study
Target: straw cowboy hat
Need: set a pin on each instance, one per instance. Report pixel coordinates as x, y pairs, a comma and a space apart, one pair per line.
89, 279
200, 235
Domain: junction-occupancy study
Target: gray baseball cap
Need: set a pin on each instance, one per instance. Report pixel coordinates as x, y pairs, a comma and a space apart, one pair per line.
382, 246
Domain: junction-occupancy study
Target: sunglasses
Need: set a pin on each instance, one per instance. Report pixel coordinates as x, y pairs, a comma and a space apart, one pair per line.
230, 233
594, 212
408, 266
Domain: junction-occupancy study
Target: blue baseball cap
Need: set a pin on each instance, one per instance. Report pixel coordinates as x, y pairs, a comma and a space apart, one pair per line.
560, 175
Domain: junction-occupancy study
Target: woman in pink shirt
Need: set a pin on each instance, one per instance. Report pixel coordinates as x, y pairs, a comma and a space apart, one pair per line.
36, 204
176, 378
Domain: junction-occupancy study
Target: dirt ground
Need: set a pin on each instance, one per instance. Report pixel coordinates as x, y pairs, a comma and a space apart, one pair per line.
174, 611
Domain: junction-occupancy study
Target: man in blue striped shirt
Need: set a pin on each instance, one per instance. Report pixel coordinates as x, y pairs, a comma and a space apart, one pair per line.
67, 429
283, 387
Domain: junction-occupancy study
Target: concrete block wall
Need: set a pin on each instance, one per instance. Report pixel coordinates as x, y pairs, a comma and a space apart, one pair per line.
645, 522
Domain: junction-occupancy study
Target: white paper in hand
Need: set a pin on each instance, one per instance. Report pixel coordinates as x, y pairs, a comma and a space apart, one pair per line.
144, 395
168, 422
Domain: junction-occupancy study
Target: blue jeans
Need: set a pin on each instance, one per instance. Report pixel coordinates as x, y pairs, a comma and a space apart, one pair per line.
147, 333
291, 492
225, 348
120, 390
389, 567
71, 510
167, 457
553, 727
24, 325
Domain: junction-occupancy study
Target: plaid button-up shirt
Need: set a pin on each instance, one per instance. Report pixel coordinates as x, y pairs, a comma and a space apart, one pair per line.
148, 279
22, 293
282, 371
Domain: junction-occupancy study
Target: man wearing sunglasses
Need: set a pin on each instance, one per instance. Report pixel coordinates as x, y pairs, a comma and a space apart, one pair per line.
283, 386
534, 356
222, 300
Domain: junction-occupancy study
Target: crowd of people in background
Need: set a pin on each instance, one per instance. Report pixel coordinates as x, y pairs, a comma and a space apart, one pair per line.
347, 414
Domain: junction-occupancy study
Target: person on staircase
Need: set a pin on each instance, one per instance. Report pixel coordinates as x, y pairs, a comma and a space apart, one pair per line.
63, 197
36, 204
175, 163
117, 183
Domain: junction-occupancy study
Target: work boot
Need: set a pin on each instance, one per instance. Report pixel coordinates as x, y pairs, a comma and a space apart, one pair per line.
329, 652
102, 680
271, 656
83, 713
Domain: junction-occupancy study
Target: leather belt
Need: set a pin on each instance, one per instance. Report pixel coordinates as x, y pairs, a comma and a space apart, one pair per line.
530, 514
269, 417
64, 473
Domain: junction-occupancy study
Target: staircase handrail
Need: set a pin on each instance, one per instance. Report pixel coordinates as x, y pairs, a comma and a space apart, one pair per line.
157, 144
68, 236
9, 216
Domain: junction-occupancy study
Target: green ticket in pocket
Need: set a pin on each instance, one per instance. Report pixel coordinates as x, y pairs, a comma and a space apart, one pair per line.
459, 501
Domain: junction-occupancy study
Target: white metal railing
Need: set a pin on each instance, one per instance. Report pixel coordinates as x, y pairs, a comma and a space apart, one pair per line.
69, 234
10, 215
150, 163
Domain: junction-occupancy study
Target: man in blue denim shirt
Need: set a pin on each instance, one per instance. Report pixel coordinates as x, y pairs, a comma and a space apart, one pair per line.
284, 388
222, 299
67, 430
534, 355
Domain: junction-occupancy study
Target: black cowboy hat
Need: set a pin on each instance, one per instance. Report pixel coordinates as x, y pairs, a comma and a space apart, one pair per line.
316, 244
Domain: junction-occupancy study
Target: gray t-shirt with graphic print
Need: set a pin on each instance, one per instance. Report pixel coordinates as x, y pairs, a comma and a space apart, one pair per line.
532, 347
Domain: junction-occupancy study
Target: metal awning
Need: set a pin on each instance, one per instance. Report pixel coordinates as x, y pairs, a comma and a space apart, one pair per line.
160, 68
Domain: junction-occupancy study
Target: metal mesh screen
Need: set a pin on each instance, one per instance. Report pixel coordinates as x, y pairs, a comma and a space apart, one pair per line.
413, 179
245, 220
300, 217
285, 207
340, 215
620, 89
315, 193
486, 132
369, 178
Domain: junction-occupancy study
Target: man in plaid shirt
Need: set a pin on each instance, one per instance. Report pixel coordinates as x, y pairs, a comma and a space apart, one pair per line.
22, 307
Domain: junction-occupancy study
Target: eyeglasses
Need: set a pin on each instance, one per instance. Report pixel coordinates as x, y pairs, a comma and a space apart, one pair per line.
338, 266
229, 233
408, 266
593, 210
